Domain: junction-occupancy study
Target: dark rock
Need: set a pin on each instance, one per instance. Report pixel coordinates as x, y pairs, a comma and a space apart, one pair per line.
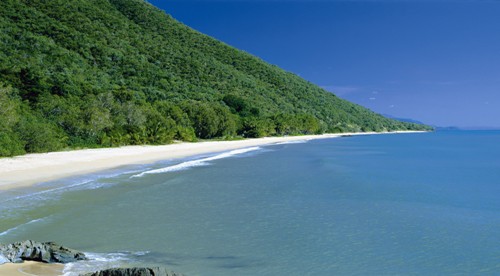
136, 271
47, 252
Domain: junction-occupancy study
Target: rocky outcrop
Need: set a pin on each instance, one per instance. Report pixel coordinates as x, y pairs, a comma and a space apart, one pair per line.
47, 252
136, 271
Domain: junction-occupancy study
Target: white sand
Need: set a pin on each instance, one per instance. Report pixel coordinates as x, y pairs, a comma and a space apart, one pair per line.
30, 169
31, 268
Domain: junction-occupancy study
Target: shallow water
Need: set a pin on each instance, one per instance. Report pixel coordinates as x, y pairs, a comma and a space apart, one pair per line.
383, 204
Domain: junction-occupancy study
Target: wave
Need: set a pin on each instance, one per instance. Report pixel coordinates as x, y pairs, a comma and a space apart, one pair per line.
87, 182
101, 261
46, 191
6, 232
196, 163
293, 142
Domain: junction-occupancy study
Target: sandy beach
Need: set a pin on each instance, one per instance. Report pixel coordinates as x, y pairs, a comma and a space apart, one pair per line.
31, 268
26, 170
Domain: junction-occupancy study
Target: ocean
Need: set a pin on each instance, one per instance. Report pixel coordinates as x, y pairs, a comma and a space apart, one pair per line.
402, 204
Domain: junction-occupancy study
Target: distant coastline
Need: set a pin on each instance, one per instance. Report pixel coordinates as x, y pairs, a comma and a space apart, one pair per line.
30, 169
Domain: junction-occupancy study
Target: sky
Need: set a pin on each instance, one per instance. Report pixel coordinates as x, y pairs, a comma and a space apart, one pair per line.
437, 62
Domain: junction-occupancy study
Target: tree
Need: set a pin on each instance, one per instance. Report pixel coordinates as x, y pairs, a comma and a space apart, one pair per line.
40, 136
8, 108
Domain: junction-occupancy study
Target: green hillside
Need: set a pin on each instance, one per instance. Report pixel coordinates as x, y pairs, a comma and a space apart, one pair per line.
89, 73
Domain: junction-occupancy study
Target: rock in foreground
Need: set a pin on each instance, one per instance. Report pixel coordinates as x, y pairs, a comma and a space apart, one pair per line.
46, 252
136, 271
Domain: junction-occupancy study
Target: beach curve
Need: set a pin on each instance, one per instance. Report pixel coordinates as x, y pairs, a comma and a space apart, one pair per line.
30, 169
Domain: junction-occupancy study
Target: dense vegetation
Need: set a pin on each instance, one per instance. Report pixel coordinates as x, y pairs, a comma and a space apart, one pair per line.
88, 73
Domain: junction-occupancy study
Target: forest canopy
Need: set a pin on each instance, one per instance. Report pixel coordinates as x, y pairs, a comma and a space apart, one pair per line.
99, 73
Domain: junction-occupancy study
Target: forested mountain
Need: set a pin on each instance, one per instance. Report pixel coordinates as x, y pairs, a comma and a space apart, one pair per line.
89, 73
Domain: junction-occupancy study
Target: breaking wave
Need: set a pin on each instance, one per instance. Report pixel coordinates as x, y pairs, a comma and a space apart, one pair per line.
196, 163
293, 142
101, 261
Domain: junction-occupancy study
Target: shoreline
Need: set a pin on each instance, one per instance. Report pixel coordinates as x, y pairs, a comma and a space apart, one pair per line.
32, 169
28, 170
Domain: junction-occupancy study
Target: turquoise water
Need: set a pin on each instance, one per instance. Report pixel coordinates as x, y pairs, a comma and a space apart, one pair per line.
412, 204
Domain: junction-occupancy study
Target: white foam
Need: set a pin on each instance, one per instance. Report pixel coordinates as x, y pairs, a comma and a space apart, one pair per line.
293, 142
196, 163
100, 261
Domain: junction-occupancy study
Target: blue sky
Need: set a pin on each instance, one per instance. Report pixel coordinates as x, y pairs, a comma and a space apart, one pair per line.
433, 61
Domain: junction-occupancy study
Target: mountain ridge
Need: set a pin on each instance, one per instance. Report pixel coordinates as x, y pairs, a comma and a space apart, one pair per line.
94, 73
